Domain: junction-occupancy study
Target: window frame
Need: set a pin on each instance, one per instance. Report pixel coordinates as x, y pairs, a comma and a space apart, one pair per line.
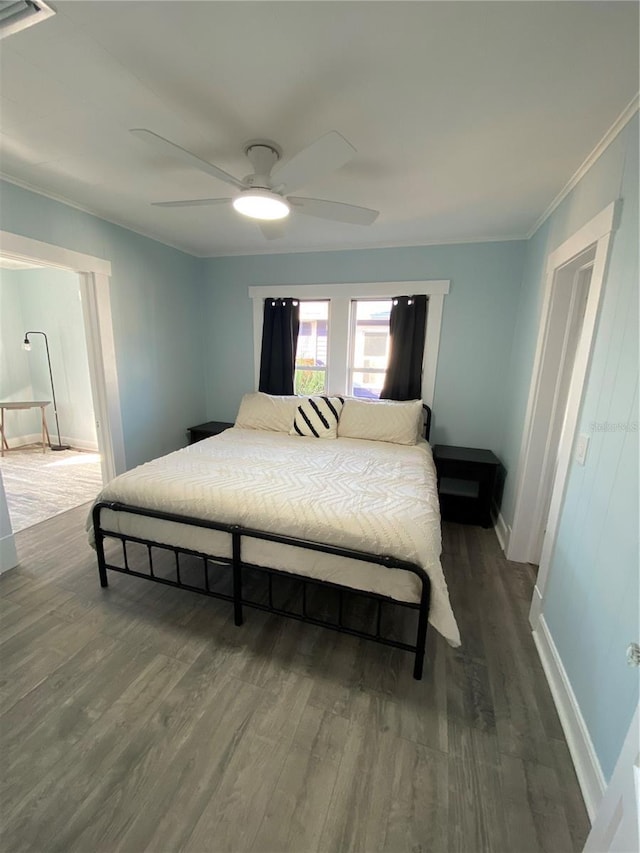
340, 297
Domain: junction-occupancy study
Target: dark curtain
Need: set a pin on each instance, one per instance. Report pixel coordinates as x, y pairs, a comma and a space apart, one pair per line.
279, 341
407, 328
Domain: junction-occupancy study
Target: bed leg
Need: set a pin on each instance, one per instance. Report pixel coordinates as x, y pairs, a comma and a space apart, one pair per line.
102, 568
237, 580
421, 638
420, 648
418, 665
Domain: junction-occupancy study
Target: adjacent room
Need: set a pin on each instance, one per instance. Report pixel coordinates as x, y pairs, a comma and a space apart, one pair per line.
319, 395
50, 461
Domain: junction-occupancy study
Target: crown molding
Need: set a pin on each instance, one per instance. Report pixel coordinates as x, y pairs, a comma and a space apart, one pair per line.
619, 124
360, 248
69, 203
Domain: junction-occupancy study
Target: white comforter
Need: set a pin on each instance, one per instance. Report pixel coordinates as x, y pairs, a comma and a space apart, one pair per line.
368, 495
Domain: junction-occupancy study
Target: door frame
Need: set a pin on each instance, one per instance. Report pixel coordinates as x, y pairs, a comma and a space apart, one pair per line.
575, 299
596, 235
95, 288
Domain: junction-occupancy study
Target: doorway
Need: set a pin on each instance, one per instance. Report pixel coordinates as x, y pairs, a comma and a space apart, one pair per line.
50, 459
575, 274
568, 308
95, 287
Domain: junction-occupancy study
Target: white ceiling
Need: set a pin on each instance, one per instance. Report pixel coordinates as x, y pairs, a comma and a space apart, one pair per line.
468, 117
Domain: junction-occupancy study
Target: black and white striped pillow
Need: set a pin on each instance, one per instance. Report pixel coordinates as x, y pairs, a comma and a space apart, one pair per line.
318, 417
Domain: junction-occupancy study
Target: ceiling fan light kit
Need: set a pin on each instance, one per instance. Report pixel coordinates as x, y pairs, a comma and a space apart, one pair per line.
261, 204
261, 194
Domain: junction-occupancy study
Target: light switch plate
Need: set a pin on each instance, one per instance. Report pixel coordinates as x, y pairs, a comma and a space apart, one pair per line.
582, 445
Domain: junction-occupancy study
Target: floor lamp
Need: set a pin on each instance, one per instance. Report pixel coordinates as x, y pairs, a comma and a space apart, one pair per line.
27, 345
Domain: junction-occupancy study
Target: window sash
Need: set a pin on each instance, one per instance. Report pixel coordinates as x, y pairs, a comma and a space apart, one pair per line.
352, 367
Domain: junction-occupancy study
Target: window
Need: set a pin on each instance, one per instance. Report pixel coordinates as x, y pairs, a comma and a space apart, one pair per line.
311, 354
343, 337
369, 350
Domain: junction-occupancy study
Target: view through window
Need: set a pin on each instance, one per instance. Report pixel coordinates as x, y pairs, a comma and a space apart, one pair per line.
369, 346
368, 351
311, 354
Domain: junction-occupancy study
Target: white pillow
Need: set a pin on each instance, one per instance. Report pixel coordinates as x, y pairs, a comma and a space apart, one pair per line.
266, 411
381, 420
317, 417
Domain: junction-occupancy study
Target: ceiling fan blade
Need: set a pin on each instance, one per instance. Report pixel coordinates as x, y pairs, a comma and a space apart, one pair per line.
321, 157
335, 210
191, 202
273, 230
173, 150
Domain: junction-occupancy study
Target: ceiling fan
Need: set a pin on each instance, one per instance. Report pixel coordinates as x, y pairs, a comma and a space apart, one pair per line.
261, 195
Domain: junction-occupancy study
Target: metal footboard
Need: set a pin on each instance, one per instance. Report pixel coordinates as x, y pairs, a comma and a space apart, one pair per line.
238, 567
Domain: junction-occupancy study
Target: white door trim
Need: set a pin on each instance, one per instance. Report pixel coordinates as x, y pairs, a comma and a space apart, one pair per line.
596, 233
340, 296
24, 248
577, 292
94, 276
96, 307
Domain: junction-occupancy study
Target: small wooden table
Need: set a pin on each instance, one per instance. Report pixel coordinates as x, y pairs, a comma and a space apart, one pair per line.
24, 404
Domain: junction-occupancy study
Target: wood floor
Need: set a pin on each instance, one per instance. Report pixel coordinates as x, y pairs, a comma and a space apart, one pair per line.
139, 718
40, 485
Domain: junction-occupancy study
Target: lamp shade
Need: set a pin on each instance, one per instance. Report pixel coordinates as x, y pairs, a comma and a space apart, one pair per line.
261, 204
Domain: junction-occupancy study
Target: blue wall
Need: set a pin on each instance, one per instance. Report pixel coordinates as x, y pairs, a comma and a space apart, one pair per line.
15, 376
477, 328
591, 601
156, 298
49, 300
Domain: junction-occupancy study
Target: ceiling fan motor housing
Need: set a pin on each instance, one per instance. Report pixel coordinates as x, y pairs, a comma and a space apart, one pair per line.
263, 154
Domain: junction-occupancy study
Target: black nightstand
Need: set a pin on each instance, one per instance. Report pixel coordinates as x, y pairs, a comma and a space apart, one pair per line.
466, 483
197, 433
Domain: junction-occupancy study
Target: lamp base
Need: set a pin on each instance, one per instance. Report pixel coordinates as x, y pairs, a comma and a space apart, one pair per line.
60, 446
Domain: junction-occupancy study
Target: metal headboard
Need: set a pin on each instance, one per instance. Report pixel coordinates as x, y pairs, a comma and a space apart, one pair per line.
426, 418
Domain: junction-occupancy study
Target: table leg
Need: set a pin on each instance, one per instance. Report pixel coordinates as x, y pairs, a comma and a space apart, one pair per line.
5, 444
45, 431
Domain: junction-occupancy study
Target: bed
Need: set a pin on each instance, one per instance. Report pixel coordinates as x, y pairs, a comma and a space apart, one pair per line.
349, 510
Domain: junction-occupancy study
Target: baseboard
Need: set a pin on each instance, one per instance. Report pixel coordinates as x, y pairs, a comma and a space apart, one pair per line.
21, 440
36, 438
585, 760
502, 532
535, 609
8, 554
80, 444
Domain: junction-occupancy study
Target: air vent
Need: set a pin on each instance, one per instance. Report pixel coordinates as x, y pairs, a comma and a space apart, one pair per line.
16, 15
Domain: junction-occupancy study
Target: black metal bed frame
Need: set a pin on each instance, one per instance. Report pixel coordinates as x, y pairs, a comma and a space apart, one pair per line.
237, 566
